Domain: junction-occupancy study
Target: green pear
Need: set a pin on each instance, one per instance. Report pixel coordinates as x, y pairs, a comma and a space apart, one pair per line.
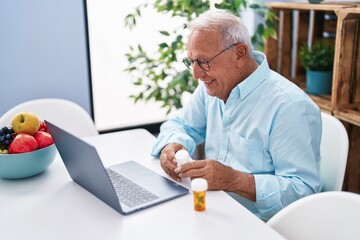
25, 122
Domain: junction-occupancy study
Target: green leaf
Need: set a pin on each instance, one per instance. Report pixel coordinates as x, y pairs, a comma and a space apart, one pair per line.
163, 45
260, 29
129, 69
165, 33
255, 6
319, 57
237, 4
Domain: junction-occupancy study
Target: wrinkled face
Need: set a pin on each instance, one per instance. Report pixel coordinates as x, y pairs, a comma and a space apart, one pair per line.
223, 74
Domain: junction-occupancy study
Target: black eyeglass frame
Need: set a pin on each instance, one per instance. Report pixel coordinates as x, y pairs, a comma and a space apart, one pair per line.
202, 61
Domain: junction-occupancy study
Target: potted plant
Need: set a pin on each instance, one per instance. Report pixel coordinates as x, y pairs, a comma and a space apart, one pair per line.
318, 61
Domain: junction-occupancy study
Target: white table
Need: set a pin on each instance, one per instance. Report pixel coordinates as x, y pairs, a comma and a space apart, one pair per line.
52, 206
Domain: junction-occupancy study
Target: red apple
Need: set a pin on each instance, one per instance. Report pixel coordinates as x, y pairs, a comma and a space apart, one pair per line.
43, 127
44, 139
22, 143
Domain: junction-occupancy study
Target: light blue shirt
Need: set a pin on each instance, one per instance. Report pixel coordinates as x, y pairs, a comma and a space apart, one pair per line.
268, 127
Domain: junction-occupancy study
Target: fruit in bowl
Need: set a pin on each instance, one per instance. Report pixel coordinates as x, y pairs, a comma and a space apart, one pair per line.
26, 147
22, 165
43, 139
25, 122
23, 143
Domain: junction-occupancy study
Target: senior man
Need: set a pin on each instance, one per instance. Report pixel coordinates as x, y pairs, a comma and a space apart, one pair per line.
261, 132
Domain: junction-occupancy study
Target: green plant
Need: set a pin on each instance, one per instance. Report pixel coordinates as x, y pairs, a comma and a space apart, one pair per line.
158, 75
318, 57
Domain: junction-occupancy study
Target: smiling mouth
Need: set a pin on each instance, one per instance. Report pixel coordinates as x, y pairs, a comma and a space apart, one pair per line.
209, 81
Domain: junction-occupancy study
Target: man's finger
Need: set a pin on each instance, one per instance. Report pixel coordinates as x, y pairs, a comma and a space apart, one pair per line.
193, 173
193, 165
168, 166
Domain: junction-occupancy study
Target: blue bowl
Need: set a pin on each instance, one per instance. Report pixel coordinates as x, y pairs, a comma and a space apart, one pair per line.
315, 1
28, 164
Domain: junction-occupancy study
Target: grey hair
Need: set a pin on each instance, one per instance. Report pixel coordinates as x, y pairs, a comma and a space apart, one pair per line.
230, 27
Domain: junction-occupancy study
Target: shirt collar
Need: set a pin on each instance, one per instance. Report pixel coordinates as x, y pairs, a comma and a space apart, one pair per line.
256, 78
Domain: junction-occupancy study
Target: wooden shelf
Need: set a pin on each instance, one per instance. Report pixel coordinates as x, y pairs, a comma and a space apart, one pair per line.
323, 101
349, 113
328, 6
300, 23
346, 85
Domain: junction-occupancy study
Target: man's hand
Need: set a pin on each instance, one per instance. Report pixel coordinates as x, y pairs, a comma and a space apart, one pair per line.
218, 176
167, 159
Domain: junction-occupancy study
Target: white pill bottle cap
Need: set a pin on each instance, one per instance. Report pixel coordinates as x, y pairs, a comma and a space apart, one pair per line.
199, 185
182, 156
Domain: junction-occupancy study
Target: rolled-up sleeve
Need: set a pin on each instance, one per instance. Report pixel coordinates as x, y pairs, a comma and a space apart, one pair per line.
169, 135
187, 128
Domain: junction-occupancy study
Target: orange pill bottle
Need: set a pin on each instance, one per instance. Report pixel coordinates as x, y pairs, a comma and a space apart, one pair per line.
199, 187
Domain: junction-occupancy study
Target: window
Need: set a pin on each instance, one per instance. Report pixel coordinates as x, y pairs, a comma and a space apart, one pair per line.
109, 41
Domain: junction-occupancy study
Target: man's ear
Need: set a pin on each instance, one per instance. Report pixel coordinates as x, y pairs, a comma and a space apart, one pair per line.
241, 53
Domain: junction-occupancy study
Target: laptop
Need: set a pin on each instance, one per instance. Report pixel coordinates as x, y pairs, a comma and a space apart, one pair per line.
127, 187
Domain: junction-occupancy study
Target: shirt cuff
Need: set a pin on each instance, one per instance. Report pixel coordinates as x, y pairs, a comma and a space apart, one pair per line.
268, 197
182, 139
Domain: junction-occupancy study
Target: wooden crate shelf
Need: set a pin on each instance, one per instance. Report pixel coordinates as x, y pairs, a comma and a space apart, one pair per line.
346, 83
303, 23
323, 101
311, 25
348, 113
328, 6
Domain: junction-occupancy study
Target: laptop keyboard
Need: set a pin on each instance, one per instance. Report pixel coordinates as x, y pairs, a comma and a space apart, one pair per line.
129, 192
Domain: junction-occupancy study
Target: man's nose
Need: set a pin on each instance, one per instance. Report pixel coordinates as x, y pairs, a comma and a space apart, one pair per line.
197, 71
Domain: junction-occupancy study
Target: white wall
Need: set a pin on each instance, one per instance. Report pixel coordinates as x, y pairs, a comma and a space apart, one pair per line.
43, 52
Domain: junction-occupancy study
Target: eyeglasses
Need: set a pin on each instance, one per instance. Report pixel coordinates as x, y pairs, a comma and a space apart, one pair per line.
202, 62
